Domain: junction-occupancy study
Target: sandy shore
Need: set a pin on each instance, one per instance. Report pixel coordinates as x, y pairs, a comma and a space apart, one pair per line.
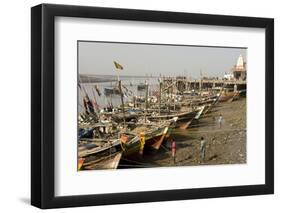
225, 145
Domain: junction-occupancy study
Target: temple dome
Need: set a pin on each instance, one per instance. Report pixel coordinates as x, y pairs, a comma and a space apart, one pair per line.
240, 63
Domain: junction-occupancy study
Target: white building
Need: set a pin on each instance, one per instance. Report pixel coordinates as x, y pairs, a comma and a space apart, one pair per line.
239, 70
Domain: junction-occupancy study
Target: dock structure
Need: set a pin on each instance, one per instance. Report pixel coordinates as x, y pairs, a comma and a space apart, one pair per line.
183, 83
236, 79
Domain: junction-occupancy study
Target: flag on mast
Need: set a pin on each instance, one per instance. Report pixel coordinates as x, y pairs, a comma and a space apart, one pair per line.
118, 66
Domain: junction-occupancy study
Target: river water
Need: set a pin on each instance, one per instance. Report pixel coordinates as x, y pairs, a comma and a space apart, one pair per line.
130, 83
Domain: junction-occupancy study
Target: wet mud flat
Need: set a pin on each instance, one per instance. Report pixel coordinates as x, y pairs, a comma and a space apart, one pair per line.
226, 144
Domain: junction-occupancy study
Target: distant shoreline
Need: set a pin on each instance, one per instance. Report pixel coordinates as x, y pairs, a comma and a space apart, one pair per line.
84, 78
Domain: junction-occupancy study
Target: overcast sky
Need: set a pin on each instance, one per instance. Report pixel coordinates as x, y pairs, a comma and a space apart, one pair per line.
141, 59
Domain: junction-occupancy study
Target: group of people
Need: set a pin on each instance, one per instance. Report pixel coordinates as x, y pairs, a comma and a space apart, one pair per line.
202, 149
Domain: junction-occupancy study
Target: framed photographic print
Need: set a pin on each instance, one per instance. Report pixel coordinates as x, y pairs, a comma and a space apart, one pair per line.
140, 106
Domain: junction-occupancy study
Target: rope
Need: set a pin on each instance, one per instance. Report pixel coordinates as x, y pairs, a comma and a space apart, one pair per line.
165, 148
137, 162
137, 166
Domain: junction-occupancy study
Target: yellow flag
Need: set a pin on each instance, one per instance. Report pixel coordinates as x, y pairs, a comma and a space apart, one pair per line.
118, 66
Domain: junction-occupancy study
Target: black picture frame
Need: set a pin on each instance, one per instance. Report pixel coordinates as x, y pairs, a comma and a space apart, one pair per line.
43, 105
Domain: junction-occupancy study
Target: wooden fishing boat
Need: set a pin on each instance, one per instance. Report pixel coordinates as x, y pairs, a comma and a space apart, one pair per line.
87, 118
243, 93
199, 101
225, 96
107, 162
88, 147
171, 127
98, 153
200, 112
80, 163
119, 117
130, 144
183, 118
85, 133
103, 130
141, 86
207, 108
234, 97
153, 139
145, 136
154, 133
111, 91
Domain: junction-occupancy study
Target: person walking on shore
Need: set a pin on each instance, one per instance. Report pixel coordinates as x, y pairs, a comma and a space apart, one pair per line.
220, 120
202, 149
174, 150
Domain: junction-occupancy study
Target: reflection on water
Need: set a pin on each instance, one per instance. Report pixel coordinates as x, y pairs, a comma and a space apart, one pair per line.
130, 83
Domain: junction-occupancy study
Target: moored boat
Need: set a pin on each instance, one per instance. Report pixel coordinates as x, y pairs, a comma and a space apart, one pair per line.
111, 91
225, 96
183, 118
130, 144
141, 86
97, 153
147, 136
200, 112
107, 162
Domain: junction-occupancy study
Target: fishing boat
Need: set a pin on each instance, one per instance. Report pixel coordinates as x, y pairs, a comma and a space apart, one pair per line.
183, 118
200, 112
103, 130
107, 162
227, 95
85, 133
143, 137
207, 108
234, 97
111, 91
130, 144
128, 116
243, 92
155, 135
80, 163
98, 153
87, 147
141, 86
87, 118
190, 93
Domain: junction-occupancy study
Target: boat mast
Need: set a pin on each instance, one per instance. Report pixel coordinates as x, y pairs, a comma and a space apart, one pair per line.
122, 101
200, 83
169, 93
119, 67
146, 100
174, 85
95, 99
160, 91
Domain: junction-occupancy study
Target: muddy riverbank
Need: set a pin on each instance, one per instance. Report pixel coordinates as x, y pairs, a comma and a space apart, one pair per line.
226, 144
